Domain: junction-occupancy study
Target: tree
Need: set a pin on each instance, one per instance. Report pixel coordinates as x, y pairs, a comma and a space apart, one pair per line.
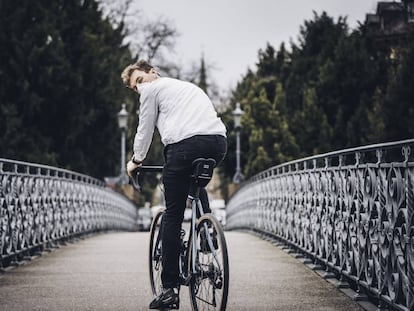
267, 65
149, 39
321, 93
313, 132
398, 105
376, 121
202, 81
285, 145
266, 126
62, 62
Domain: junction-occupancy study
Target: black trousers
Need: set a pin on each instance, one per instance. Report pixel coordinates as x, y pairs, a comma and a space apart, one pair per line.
176, 179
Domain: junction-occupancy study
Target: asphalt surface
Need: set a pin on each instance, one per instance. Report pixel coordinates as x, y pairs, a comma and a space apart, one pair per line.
110, 272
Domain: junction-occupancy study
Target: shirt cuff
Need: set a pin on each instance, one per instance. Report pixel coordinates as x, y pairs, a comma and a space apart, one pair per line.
135, 161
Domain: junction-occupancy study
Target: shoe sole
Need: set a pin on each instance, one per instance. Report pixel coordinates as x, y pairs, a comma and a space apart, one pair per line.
172, 303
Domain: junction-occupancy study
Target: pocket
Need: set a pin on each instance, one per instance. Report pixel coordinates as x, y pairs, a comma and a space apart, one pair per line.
178, 162
173, 156
181, 155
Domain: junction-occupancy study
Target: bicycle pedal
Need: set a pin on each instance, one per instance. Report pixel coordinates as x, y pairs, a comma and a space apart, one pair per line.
219, 284
186, 280
182, 280
174, 306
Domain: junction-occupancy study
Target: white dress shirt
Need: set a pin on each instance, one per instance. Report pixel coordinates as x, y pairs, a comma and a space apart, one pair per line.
178, 109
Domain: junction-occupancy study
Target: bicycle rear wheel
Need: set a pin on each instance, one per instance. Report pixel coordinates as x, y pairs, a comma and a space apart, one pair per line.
155, 255
209, 286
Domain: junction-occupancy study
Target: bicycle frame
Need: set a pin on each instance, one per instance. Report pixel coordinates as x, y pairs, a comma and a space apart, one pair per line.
196, 203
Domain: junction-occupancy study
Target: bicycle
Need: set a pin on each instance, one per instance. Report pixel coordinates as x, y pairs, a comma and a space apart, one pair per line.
203, 261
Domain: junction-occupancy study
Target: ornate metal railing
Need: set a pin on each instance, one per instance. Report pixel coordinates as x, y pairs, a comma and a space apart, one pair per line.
351, 211
40, 205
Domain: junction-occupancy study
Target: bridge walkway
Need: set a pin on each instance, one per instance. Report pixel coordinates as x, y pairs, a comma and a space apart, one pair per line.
109, 272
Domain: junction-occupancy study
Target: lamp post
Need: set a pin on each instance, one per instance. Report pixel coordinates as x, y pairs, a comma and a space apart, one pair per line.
237, 114
123, 124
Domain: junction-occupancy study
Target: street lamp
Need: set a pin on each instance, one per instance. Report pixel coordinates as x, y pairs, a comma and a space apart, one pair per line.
123, 124
237, 114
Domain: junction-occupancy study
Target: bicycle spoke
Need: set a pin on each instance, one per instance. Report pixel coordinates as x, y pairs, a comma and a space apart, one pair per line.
205, 301
209, 287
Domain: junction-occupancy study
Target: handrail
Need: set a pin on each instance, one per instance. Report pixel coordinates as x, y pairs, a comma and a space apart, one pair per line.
351, 211
338, 153
65, 172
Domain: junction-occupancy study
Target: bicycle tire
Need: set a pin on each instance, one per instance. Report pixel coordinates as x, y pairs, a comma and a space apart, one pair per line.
209, 287
155, 255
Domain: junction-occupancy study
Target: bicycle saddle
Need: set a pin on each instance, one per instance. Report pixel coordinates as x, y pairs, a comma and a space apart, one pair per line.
202, 171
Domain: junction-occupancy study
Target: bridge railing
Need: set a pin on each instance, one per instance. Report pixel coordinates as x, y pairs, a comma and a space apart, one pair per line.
350, 211
41, 204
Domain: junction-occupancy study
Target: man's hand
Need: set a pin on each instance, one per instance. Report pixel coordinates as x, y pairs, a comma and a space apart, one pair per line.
131, 167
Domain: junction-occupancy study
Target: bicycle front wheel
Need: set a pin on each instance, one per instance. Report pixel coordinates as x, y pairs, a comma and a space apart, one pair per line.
155, 255
209, 285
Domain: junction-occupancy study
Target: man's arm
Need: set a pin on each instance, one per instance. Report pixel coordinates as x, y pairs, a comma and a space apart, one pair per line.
148, 115
147, 119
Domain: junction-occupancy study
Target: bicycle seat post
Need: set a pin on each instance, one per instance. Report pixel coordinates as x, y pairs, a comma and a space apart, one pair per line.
202, 172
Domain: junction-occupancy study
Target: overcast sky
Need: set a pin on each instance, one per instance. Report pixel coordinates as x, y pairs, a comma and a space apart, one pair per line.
230, 32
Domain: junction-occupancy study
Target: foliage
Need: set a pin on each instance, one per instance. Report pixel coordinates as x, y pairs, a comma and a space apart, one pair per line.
61, 64
61, 88
334, 89
398, 103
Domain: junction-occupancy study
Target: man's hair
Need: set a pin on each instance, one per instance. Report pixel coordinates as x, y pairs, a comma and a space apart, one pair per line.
139, 65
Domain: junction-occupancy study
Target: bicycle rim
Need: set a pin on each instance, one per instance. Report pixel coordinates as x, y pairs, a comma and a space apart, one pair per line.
209, 286
155, 258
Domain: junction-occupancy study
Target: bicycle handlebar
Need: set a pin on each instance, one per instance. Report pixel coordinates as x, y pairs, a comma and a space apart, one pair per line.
144, 168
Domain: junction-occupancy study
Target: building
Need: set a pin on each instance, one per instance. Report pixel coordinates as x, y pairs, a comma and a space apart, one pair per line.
392, 20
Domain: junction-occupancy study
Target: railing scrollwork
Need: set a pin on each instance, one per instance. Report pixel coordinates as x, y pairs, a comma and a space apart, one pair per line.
351, 211
40, 205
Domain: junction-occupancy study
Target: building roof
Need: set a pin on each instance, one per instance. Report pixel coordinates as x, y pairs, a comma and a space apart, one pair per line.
390, 7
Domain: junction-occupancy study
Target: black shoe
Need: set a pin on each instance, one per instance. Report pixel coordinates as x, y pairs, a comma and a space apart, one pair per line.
168, 299
205, 247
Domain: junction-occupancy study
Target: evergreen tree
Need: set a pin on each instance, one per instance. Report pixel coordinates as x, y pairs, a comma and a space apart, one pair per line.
266, 125
285, 146
376, 118
202, 81
282, 64
255, 120
333, 90
312, 129
399, 100
62, 92
260, 162
345, 89
267, 65
317, 42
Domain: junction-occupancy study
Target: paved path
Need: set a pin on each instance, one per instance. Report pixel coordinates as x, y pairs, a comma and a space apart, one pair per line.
109, 272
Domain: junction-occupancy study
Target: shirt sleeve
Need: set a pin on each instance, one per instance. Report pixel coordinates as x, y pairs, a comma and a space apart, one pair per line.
148, 115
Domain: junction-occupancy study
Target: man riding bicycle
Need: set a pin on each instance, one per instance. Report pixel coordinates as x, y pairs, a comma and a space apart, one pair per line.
189, 128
